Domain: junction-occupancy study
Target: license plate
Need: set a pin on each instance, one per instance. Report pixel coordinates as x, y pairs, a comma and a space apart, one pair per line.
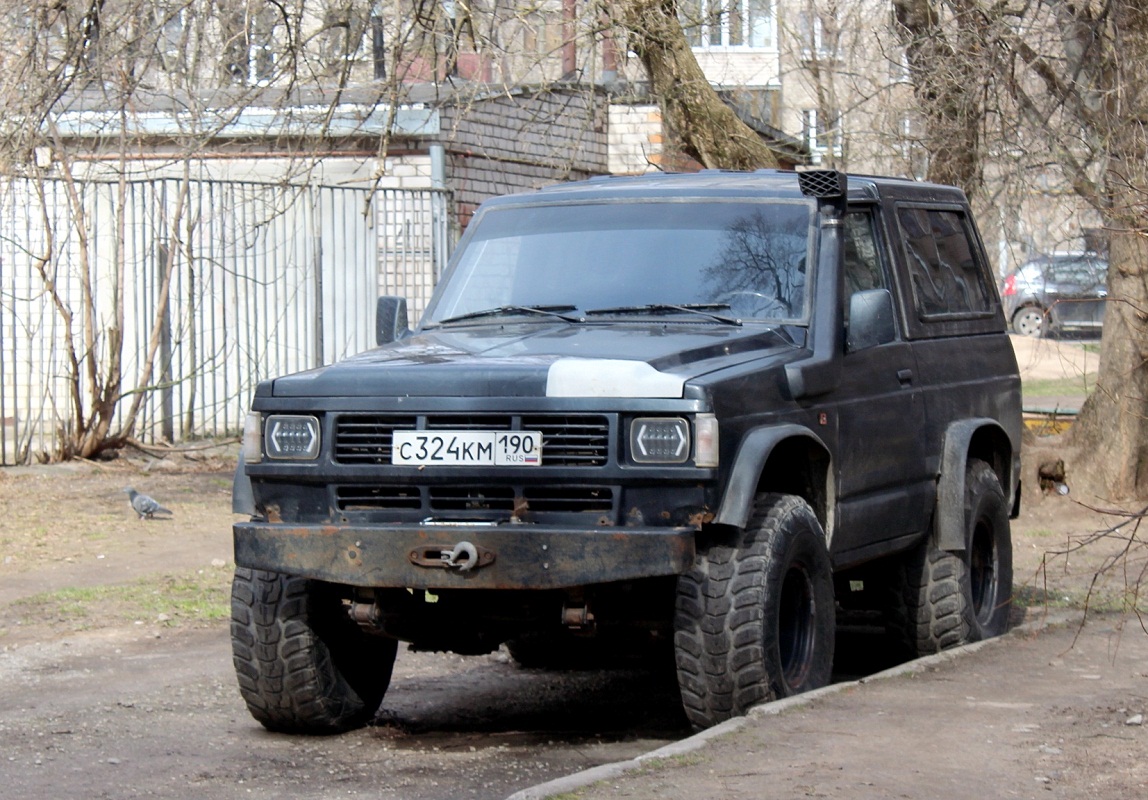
467, 448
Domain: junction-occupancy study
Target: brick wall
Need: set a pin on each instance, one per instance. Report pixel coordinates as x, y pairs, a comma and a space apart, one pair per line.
525, 140
635, 139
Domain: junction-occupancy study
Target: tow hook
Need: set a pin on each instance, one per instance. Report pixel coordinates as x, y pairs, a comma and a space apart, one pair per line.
463, 556
578, 617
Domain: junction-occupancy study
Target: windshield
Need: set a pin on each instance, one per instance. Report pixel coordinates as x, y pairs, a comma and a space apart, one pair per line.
742, 259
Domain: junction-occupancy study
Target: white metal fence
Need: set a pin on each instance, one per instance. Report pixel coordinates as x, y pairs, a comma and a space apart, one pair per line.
264, 280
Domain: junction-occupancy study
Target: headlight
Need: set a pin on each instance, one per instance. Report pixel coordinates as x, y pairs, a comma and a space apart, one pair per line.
291, 437
659, 440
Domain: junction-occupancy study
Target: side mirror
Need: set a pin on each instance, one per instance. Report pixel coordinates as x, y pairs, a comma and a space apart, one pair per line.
390, 320
870, 320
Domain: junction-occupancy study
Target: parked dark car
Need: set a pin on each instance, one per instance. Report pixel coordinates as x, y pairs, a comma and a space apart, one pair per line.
684, 418
1055, 294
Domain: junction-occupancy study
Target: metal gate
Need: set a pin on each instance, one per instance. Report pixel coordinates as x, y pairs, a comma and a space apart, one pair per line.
223, 283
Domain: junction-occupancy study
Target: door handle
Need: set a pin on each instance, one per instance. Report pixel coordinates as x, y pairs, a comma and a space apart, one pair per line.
905, 376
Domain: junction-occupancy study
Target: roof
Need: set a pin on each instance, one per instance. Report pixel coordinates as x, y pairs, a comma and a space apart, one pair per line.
248, 112
730, 183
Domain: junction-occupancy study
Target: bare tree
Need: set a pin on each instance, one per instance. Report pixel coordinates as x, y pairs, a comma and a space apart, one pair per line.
115, 67
708, 130
1081, 78
949, 63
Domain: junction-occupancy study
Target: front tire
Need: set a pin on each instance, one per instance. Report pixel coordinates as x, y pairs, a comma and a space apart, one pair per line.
943, 599
303, 665
755, 618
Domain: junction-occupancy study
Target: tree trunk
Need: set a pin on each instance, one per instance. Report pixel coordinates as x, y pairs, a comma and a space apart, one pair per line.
1112, 429
706, 128
949, 76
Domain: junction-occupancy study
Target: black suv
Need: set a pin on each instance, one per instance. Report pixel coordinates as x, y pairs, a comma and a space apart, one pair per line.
690, 417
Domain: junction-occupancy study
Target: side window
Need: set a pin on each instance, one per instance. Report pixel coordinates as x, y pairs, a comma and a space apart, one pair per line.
947, 279
868, 310
862, 260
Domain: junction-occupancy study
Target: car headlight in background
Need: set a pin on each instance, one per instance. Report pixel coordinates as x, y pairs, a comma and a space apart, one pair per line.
292, 437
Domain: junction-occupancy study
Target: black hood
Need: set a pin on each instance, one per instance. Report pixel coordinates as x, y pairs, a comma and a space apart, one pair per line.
539, 359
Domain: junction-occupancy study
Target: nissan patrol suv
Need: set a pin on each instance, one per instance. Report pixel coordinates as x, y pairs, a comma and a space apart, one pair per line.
688, 417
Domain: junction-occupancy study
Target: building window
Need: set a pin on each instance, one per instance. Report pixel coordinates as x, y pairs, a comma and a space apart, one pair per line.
916, 157
261, 50
378, 46
342, 39
819, 32
759, 103
171, 30
899, 69
250, 43
822, 134
729, 23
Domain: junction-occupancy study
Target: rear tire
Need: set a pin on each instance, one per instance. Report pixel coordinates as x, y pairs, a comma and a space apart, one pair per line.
942, 599
303, 666
755, 618
1029, 321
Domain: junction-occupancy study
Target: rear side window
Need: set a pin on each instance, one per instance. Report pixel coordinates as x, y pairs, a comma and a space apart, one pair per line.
1075, 273
947, 278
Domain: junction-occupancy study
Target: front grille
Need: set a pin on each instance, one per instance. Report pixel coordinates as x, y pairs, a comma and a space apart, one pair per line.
467, 422
366, 438
578, 499
472, 498
572, 441
377, 498
523, 502
568, 440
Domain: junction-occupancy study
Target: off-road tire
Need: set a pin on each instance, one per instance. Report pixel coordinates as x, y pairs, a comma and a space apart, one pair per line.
303, 666
754, 619
942, 599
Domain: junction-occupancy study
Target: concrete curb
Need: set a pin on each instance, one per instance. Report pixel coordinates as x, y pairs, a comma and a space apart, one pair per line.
690, 744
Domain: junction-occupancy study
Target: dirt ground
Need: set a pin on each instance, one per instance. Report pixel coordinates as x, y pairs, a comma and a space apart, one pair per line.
67, 533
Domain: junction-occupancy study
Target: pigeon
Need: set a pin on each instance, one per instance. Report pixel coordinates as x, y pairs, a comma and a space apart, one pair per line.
145, 506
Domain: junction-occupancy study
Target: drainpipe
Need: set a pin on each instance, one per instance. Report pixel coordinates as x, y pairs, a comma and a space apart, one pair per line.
437, 166
569, 50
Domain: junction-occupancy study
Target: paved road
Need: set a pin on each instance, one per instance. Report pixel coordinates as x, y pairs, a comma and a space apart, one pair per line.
1055, 711
124, 714
137, 712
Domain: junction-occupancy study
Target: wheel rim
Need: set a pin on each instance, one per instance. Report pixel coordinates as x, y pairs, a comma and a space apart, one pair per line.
983, 571
796, 625
1028, 322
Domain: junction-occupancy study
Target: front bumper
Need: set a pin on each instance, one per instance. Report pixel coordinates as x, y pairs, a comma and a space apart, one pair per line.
509, 556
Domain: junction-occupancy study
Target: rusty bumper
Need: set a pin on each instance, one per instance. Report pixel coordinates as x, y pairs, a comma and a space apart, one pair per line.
464, 556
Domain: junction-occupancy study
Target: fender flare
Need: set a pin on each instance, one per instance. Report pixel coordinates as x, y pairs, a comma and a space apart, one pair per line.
950, 513
752, 455
242, 496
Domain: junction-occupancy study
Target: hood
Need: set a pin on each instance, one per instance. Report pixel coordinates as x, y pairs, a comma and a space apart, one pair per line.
540, 360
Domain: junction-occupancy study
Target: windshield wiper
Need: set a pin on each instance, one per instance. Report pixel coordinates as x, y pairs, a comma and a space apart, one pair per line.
500, 311
701, 309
